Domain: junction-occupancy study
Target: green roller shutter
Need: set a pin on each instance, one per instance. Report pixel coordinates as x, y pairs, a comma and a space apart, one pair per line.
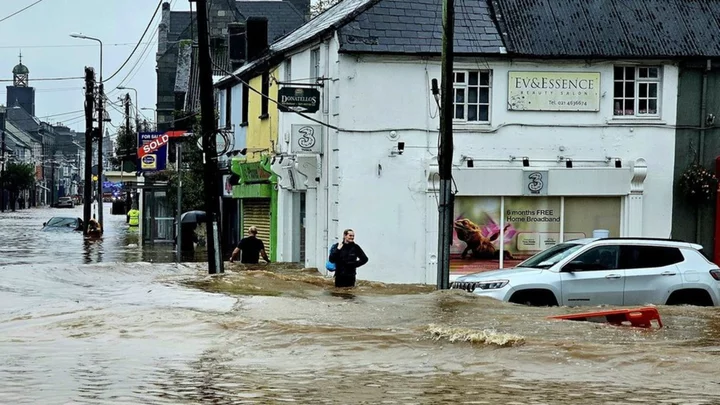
256, 212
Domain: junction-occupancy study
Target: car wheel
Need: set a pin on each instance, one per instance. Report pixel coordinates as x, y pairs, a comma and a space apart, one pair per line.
690, 296
535, 298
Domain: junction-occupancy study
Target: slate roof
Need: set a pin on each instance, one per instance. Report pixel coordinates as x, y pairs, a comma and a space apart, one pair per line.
610, 28
22, 119
180, 26
220, 57
402, 26
283, 17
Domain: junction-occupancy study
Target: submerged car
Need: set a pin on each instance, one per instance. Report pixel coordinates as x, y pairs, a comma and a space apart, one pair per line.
63, 224
65, 202
605, 271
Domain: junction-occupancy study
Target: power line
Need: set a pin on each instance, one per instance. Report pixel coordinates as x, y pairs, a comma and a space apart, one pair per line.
20, 11
64, 46
139, 42
47, 79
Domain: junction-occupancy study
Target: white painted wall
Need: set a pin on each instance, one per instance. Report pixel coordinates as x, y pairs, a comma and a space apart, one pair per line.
390, 207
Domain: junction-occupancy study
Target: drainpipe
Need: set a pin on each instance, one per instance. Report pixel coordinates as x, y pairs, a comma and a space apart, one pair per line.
701, 146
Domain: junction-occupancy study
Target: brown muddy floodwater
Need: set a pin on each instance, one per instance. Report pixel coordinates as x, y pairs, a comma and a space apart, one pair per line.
100, 324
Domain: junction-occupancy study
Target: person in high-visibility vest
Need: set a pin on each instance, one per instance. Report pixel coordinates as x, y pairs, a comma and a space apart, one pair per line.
133, 217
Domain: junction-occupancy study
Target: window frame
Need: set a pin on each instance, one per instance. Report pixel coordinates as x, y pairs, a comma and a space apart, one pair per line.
465, 86
315, 63
264, 102
567, 269
637, 81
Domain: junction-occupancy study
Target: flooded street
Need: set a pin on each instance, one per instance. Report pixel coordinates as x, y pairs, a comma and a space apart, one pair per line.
108, 322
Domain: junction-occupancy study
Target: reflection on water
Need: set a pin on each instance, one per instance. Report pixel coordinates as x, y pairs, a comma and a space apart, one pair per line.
96, 322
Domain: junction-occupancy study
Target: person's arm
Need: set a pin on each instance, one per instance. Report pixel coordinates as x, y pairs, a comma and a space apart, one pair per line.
264, 255
235, 254
362, 257
335, 253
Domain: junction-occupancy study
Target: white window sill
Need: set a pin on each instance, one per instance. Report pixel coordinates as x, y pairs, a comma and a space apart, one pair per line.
636, 121
464, 126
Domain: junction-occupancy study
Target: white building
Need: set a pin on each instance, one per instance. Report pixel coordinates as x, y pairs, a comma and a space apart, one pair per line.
548, 150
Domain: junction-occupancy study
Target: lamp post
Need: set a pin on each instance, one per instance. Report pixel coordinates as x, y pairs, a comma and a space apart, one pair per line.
137, 121
154, 115
101, 119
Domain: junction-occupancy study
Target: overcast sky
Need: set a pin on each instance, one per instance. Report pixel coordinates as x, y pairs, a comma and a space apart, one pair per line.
42, 34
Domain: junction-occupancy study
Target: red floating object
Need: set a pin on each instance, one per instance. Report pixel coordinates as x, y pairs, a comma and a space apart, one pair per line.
638, 317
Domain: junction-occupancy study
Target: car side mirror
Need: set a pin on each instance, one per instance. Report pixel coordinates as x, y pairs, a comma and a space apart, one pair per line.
44, 223
574, 266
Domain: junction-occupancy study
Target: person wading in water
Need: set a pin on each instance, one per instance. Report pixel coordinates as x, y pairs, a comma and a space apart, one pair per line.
348, 256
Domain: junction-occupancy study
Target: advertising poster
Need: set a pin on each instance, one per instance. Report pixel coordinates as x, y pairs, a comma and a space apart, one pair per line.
583, 215
476, 232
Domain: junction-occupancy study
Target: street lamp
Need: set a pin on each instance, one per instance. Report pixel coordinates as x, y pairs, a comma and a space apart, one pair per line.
137, 121
101, 119
154, 114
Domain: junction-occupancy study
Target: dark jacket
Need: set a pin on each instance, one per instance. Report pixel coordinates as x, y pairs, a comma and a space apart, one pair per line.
348, 259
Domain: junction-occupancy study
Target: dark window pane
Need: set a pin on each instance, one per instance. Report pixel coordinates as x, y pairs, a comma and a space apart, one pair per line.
643, 72
460, 112
472, 113
653, 89
653, 72
643, 257
629, 73
619, 73
652, 106
460, 95
629, 107
642, 106
484, 95
617, 107
484, 113
599, 258
473, 78
460, 77
630, 89
643, 89
472, 95
484, 78
618, 92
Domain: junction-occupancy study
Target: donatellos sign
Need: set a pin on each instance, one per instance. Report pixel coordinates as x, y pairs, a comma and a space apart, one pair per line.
299, 99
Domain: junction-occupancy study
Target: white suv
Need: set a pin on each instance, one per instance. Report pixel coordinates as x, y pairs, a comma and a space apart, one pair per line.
610, 271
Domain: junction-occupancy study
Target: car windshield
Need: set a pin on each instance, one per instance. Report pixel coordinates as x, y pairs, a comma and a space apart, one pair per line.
60, 222
547, 258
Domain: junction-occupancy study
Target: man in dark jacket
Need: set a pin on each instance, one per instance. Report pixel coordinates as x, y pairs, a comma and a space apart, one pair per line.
348, 256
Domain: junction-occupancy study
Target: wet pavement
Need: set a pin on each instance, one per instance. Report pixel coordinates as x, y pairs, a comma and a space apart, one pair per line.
110, 322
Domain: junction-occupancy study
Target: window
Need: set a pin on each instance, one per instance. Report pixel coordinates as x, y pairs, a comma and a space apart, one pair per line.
599, 258
265, 92
644, 257
245, 103
228, 107
288, 71
636, 91
315, 63
472, 96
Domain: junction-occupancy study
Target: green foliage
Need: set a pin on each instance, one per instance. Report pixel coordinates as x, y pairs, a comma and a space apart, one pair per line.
319, 6
126, 144
19, 176
193, 181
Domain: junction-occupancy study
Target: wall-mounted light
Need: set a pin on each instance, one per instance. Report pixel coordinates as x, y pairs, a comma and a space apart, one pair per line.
470, 163
273, 160
618, 163
398, 149
526, 162
568, 163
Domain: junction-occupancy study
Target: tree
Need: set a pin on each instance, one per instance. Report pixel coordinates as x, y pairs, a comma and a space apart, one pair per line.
126, 147
321, 5
18, 177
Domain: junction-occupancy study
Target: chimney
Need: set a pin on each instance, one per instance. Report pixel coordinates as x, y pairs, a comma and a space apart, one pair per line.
163, 29
236, 45
257, 37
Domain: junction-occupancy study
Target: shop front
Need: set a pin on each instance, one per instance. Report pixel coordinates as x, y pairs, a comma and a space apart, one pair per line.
503, 216
256, 191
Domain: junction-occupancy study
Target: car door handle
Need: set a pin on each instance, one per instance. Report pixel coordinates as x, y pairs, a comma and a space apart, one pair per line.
613, 276
668, 273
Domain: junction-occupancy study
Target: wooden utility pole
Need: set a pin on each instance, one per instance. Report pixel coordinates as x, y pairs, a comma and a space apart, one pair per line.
209, 130
101, 122
2, 168
89, 108
445, 156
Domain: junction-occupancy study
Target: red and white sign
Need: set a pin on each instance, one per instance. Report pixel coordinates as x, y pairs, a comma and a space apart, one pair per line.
159, 142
